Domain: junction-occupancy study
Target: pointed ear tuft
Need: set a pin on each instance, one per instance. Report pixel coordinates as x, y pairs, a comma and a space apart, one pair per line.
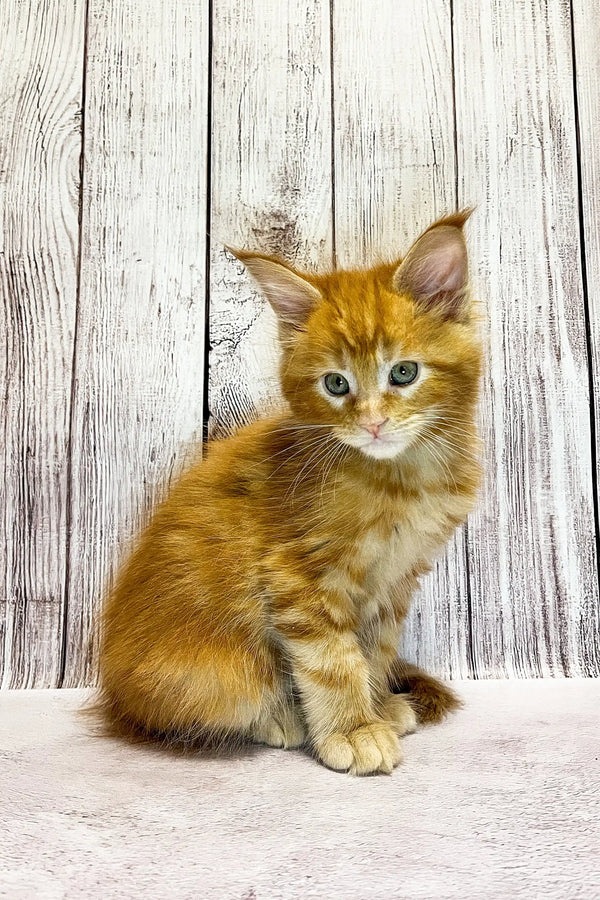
435, 270
292, 297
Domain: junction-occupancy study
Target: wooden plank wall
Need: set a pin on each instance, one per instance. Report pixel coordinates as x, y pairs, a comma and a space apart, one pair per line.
137, 138
104, 396
585, 34
41, 82
139, 360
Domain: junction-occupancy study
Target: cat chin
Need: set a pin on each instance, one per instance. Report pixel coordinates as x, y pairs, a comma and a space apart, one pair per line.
382, 449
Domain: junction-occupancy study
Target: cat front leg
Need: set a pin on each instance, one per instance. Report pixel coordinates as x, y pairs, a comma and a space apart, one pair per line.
332, 676
382, 651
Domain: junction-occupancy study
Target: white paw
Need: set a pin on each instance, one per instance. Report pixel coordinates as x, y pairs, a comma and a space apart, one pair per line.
368, 749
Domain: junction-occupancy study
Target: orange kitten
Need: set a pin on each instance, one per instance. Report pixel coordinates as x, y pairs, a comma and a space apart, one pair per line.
266, 597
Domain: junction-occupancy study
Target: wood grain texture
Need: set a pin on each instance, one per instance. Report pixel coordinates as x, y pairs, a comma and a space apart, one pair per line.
533, 568
395, 167
586, 40
41, 67
140, 342
395, 173
271, 181
339, 129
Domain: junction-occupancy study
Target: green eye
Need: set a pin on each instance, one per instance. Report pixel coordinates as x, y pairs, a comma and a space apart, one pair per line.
403, 373
336, 384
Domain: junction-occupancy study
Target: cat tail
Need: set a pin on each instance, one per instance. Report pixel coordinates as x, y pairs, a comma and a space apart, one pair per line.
430, 698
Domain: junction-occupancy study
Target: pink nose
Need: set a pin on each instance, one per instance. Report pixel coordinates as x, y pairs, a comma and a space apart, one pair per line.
373, 427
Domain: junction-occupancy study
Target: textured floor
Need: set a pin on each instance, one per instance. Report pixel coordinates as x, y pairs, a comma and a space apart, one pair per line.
502, 801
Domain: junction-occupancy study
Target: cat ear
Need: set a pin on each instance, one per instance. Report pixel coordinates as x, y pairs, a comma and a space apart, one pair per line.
291, 296
435, 271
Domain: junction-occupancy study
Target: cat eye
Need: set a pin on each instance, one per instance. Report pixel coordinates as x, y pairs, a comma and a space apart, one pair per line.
336, 384
403, 372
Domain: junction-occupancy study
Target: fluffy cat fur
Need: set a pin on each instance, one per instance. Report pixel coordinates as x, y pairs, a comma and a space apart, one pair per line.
265, 599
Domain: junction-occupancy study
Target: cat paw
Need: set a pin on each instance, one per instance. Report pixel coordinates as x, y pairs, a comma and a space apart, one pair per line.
284, 729
400, 714
364, 751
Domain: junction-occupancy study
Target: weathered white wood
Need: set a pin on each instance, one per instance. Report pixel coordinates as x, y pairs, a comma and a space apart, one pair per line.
394, 173
41, 67
586, 32
394, 168
500, 801
271, 181
139, 327
533, 564
139, 361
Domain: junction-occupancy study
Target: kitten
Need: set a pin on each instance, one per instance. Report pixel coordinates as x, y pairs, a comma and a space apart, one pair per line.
266, 597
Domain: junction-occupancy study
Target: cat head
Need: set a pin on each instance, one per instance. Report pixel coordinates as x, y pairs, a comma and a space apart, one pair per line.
379, 356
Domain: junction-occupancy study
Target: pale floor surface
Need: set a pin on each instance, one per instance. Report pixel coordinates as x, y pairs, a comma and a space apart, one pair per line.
501, 801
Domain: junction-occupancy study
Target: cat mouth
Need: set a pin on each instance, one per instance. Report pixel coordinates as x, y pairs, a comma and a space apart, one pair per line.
385, 444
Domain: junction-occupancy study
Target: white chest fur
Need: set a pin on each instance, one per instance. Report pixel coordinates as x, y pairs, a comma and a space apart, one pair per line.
418, 535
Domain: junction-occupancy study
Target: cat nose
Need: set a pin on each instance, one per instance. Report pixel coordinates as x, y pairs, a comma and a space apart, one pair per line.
373, 427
